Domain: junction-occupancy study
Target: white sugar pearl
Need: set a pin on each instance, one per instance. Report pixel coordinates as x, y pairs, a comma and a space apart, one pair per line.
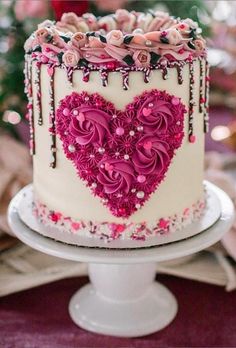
71, 148
131, 133
94, 185
137, 206
126, 157
101, 150
140, 194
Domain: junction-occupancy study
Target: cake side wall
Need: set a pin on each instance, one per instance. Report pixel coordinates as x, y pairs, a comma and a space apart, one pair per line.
62, 190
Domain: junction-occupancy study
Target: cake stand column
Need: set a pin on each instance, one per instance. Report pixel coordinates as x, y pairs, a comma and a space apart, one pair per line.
123, 300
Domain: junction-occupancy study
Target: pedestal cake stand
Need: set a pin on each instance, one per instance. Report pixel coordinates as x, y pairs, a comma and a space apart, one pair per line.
122, 298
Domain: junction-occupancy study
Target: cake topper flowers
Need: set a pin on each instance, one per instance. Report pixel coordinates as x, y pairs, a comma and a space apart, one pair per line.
127, 38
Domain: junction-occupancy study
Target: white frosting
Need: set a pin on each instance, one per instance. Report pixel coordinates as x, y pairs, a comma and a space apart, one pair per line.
62, 190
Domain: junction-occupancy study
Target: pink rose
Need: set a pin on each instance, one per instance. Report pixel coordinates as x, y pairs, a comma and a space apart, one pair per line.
69, 18
173, 35
30, 8
90, 126
122, 15
79, 39
71, 58
43, 35
151, 156
107, 23
141, 58
115, 175
94, 42
199, 44
115, 37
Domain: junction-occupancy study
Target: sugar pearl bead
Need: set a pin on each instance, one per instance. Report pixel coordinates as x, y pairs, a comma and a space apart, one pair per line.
133, 190
75, 112
131, 133
141, 178
175, 101
66, 112
101, 150
71, 148
137, 206
140, 128
150, 105
126, 157
120, 131
140, 194
148, 43
94, 185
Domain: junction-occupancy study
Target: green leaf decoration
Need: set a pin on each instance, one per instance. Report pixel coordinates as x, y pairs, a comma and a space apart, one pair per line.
128, 59
128, 39
37, 49
83, 62
164, 40
193, 34
154, 58
65, 38
191, 45
59, 56
91, 33
103, 39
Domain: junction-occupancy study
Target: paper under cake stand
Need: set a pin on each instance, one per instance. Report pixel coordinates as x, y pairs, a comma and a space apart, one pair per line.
123, 299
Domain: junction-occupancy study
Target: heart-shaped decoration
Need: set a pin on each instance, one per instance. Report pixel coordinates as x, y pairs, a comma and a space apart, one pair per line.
121, 155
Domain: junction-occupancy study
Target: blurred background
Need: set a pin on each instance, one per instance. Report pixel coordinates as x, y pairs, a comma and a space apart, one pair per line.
18, 18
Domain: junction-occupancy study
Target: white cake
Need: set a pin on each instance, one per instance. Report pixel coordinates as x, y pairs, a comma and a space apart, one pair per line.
117, 123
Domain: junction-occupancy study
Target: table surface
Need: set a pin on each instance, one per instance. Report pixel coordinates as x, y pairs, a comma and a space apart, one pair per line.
38, 318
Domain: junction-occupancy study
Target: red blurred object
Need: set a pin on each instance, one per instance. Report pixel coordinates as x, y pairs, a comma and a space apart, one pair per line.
62, 6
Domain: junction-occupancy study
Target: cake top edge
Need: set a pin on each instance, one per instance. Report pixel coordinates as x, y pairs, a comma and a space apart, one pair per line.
121, 39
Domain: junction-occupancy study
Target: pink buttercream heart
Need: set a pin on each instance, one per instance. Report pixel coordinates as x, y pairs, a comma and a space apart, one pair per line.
121, 155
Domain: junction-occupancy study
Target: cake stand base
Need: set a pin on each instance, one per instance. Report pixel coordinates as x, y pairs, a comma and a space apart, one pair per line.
123, 299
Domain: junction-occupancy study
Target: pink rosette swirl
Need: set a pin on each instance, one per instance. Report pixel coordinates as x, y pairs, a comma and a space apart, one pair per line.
115, 175
156, 114
151, 156
89, 125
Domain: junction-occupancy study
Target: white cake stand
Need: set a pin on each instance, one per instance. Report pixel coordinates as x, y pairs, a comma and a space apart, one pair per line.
123, 299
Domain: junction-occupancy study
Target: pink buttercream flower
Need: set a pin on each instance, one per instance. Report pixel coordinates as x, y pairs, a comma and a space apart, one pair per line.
115, 175
69, 18
30, 8
151, 155
141, 58
199, 44
79, 39
122, 16
173, 35
115, 37
94, 42
90, 126
42, 35
156, 114
71, 58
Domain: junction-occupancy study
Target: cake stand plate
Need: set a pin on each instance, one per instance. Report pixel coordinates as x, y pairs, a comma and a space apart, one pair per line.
123, 299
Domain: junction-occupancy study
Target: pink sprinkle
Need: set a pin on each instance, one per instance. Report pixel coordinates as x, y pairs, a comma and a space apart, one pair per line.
141, 178
175, 101
192, 138
120, 131
75, 225
163, 223
66, 112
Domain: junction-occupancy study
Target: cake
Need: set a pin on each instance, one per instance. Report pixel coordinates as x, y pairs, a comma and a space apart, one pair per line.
118, 111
